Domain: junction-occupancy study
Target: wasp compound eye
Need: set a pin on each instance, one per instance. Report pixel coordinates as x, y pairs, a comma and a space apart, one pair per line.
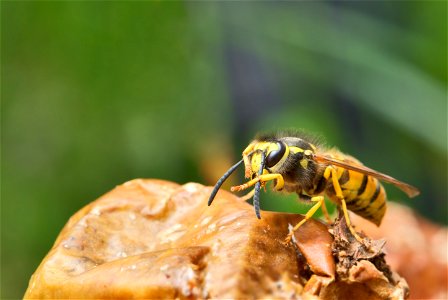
275, 156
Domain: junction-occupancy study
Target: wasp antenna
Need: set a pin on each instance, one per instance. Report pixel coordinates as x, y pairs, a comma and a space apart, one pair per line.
221, 181
257, 199
258, 187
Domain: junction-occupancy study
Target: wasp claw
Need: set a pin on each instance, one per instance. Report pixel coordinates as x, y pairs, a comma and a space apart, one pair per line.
288, 239
238, 188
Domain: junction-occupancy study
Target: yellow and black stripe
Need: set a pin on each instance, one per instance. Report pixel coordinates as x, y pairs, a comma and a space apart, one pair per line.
364, 195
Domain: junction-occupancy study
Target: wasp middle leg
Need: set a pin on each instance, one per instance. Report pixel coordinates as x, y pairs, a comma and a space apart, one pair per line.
338, 190
308, 215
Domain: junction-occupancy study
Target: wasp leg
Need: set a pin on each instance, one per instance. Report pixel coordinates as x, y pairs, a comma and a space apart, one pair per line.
326, 214
327, 174
263, 179
338, 190
248, 195
308, 215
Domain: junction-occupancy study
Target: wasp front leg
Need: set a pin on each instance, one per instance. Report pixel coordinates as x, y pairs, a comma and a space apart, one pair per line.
262, 179
248, 195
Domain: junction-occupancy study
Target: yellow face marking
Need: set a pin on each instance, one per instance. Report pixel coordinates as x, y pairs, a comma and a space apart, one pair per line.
295, 150
255, 162
248, 171
304, 163
272, 147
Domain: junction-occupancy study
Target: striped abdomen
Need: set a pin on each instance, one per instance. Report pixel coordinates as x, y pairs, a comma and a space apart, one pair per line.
364, 195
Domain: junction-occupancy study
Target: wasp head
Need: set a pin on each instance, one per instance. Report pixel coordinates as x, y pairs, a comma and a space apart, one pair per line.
282, 155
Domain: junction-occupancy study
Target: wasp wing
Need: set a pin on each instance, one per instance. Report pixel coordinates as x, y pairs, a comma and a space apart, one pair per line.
408, 189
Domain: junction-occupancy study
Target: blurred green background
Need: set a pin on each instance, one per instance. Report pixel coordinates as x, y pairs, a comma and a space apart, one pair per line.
98, 93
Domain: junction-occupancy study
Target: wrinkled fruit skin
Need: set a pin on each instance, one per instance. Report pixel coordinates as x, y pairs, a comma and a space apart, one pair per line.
157, 239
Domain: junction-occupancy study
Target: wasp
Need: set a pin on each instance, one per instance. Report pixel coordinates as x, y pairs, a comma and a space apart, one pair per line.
295, 164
